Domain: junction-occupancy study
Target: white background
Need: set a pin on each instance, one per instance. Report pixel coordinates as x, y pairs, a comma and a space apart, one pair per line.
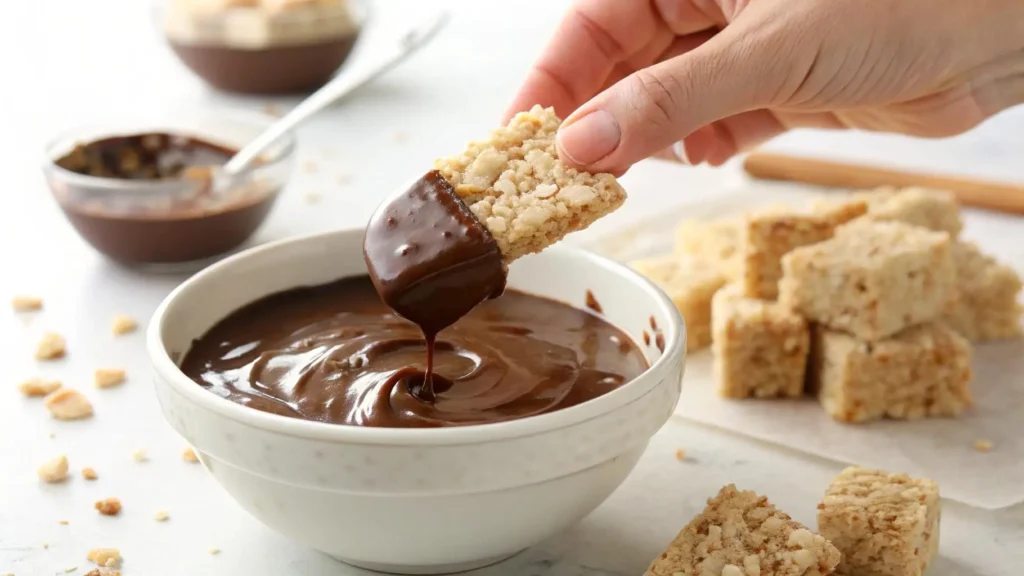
67, 61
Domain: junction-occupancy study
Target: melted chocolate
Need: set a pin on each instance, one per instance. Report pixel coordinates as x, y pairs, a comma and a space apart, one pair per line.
431, 260
335, 353
154, 156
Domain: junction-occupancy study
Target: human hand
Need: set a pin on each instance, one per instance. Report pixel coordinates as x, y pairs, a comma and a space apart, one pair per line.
706, 79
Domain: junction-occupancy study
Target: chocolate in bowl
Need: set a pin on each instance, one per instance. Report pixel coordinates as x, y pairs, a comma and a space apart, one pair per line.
149, 193
247, 48
335, 353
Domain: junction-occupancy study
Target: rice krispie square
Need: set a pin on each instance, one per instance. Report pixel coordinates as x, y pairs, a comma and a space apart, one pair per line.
872, 280
924, 371
715, 241
766, 237
690, 283
742, 534
884, 524
527, 198
760, 348
933, 209
988, 306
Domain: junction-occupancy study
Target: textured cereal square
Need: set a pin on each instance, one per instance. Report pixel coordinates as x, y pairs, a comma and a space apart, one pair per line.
884, 524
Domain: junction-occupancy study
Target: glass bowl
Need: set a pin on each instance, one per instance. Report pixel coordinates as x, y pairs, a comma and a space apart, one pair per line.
253, 50
178, 221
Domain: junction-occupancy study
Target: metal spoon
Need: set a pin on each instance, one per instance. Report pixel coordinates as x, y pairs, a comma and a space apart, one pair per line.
339, 87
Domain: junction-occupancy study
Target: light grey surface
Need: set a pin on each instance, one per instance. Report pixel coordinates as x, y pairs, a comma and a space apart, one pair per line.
68, 61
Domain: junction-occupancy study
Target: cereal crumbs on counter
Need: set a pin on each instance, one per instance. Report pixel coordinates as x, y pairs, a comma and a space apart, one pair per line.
982, 445
26, 303
680, 454
106, 557
189, 455
51, 347
35, 387
140, 455
162, 516
54, 471
108, 377
109, 506
89, 473
123, 325
68, 404
214, 550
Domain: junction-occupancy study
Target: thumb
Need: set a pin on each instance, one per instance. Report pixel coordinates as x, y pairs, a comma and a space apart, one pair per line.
652, 109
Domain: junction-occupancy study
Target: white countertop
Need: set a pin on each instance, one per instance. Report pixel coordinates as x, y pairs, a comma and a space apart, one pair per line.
86, 59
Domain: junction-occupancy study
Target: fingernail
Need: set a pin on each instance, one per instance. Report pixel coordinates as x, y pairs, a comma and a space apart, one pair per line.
669, 10
679, 149
590, 138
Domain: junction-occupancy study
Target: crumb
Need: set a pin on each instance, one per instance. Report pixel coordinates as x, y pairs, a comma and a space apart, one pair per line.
680, 454
63, 522
54, 471
343, 179
38, 387
189, 455
109, 506
26, 303
271, 109
162, 515
983, 445
89, 473
70, 570
140, 455
106, 557
214, 550
313, 198
123, 325
51, 347
108, 377
68, 404
46, 545
310, 167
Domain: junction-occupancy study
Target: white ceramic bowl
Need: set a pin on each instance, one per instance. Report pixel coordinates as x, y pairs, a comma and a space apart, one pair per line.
417, 501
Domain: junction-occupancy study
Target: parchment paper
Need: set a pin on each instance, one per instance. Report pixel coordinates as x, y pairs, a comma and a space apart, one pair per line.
941, 449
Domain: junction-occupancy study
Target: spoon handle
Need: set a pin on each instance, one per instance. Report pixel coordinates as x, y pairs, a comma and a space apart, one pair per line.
336, 89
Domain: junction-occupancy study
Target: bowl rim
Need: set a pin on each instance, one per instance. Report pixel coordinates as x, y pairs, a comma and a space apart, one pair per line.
168, 373
259, 120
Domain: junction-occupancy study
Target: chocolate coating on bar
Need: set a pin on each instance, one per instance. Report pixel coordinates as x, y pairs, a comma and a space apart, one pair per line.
430, 259
335, 353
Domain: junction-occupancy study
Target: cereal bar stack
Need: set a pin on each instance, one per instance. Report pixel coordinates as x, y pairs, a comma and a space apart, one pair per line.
876, 293
871, 301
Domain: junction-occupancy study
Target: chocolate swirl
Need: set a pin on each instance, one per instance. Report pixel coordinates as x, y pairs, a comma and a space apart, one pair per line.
335, 353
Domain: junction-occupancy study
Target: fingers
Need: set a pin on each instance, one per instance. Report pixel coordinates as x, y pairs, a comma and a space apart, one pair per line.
667, 102
688, 16
591, 40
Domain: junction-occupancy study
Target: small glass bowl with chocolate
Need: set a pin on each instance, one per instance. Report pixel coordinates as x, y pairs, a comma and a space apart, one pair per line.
263, 46
150, 192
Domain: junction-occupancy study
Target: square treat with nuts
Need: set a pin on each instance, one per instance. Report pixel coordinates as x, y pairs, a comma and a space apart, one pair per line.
933, 209
987, 306
766, 237
527, 198
690, 283
760, 347
924, 371
872, 280
742, 534
884, 524
714, 241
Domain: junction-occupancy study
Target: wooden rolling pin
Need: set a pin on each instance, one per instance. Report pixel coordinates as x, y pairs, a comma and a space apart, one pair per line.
969, 192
